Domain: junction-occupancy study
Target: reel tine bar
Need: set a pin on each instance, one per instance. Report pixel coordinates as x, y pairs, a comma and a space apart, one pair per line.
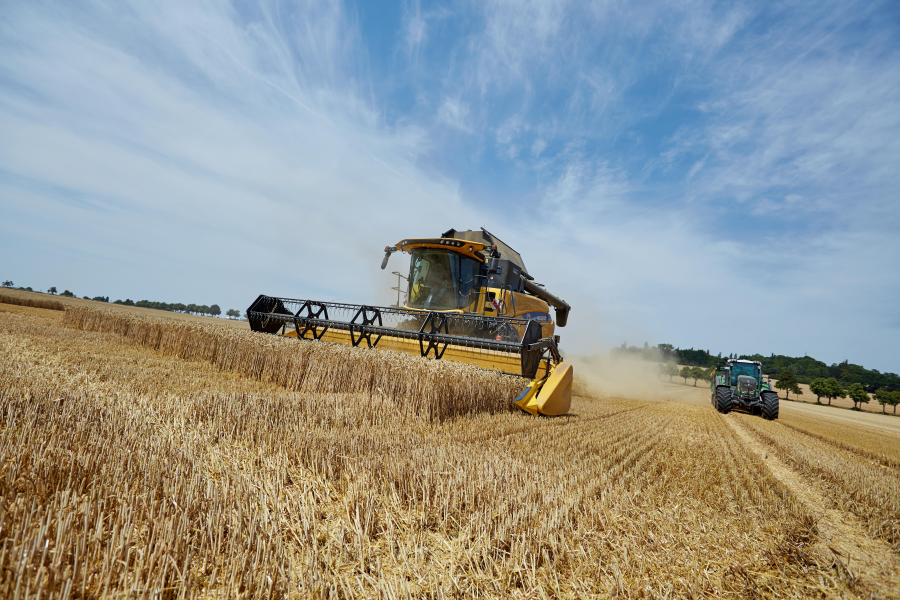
309, 324
435, 327
366, 321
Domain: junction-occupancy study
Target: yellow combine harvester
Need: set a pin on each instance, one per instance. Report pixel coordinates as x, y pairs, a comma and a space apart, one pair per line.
470, 299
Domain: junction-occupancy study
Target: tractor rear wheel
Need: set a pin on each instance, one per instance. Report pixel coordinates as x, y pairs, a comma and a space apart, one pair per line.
769, 405
723, 400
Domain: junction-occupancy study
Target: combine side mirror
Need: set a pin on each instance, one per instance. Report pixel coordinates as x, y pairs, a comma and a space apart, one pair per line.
388, 250
492, 265
562, 316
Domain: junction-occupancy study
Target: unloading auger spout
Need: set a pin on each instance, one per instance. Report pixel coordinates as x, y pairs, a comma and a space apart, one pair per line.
469, 299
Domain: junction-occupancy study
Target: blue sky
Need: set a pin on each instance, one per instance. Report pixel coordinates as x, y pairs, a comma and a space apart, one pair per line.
722, 176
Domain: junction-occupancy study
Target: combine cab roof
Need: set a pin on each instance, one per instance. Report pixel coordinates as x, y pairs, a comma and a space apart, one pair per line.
483, 236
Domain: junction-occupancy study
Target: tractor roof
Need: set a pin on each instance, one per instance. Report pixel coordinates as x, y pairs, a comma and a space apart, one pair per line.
741, 360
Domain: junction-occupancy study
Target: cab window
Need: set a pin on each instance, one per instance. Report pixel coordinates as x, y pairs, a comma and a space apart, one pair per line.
442, 280
743, 369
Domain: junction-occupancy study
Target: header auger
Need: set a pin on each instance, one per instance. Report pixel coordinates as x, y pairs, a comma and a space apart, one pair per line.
469, 300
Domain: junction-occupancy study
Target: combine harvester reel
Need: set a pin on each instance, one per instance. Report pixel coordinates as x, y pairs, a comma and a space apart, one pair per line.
469, 300
738, 384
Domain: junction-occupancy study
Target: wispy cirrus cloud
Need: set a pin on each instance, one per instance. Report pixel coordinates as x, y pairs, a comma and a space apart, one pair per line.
660, 166
710, 142
181, 150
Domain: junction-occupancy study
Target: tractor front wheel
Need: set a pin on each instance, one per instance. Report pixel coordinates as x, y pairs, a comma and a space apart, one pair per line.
769, 405
723, 400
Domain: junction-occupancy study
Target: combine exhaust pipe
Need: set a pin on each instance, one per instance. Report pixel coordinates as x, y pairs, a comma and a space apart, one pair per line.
562, 307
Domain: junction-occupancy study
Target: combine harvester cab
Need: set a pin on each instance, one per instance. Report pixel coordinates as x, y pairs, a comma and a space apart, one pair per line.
469, 299
740, 384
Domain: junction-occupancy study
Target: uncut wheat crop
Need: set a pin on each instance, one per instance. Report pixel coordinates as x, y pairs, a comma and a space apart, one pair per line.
146, 458
33, 302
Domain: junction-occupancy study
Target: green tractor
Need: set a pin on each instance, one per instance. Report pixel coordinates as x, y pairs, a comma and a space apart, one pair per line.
739, 384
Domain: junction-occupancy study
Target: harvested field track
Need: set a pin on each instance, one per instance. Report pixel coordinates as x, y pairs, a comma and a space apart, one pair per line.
869, 564
150, 458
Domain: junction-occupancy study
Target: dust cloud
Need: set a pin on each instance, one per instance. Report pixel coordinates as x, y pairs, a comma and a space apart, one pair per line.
618, 376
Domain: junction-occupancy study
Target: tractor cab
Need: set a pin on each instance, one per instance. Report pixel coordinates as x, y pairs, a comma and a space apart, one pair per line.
747, 369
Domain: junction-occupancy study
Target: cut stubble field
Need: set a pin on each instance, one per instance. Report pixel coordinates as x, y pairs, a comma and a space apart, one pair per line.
137, 462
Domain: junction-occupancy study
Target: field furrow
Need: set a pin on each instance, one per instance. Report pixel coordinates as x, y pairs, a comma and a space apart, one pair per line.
868, 564
855, 483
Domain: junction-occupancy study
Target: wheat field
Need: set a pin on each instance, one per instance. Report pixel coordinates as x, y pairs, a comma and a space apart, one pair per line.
144, 457
34, 300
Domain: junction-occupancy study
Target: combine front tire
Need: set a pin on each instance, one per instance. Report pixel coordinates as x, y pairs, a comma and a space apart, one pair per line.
723, 400
769, 405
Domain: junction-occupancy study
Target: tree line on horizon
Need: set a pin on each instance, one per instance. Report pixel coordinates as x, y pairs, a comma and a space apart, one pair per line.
213, 310
805, 369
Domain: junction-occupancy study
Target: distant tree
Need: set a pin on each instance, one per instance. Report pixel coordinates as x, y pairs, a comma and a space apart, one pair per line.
787, 381
232, 313
667, 352
68, 294
884, 397
214, 310
671, 371
100, 298
8, 283
858, 394
686, 373
835, 390
52, 290
85, 297
697, 373
128, 302
895, 400
819, 387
